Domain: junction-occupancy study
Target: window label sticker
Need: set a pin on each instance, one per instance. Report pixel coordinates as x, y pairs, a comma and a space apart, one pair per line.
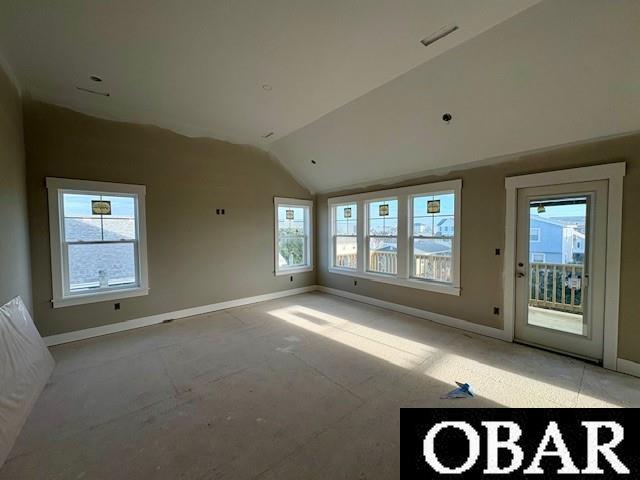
433, 206
383, 210
347, 212
101, 207
289, 214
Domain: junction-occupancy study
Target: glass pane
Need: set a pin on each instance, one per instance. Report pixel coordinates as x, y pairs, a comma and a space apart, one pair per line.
291, 251
434, 215
557, 245
119, 228
383, 255
101, 265
82, 229
432, 259
381, 224
291, 220
346, 227
346, 212
346, 252
82, 225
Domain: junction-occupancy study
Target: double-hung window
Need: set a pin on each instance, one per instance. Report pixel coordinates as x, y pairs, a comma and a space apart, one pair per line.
407, 236
432, 237
293, 235
382, 236
98, 241
345, 236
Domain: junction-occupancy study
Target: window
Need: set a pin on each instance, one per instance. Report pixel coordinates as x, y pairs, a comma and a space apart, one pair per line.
534, 235
293, 235
345, 236
382, 236
432, 236
538, 257
406, 236
98, 241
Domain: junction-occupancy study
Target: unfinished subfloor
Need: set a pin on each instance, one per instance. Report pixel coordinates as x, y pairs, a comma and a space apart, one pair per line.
304, 387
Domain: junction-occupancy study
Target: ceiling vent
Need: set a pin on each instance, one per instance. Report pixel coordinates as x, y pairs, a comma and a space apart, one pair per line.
434, 37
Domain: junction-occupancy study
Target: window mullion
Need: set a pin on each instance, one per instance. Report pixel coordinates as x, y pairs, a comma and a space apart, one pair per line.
403, 236
360, 229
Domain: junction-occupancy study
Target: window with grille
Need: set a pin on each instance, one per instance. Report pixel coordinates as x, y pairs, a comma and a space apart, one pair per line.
432, 236
345, 236
98, 241
382, 236
293, 235
407, 236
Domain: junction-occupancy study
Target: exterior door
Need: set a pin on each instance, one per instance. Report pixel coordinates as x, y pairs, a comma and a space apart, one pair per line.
560, 267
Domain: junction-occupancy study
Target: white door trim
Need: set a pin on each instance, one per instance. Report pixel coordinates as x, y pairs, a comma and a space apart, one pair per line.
614, 173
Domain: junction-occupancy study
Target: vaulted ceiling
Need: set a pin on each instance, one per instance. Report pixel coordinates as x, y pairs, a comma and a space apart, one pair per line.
343, 82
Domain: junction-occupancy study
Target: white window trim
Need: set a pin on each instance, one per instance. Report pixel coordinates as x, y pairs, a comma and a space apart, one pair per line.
404, 196
57, 185
293, 202
539, 235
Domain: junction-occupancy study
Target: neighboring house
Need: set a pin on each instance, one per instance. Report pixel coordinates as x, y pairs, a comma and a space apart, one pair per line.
446, 227
553, 241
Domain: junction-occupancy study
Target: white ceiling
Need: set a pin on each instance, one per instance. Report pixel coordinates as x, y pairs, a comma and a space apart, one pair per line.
198, 67
557, 73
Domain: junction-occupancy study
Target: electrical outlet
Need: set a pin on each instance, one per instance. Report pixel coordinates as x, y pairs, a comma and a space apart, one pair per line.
116, 306
496, 310
355, 283
497, 251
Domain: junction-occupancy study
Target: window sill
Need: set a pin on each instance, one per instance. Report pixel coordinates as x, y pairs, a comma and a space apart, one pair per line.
82, 299
289, 271
402, 282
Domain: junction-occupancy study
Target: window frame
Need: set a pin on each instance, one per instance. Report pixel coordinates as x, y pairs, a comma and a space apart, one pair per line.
405, 196
62, 296
367, 234
334, 235
294, 203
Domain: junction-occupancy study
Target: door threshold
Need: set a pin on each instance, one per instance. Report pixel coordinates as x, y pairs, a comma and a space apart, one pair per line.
590, 360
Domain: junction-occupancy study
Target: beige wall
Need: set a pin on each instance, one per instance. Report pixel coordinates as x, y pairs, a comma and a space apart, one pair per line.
195, 256
15, 273
482, 223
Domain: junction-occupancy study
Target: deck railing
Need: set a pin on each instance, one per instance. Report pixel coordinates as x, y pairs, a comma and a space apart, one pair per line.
556, 286
433, 267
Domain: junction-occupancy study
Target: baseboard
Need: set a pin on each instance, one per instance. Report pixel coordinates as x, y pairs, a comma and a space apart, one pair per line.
628, 367
155, 319
417, 312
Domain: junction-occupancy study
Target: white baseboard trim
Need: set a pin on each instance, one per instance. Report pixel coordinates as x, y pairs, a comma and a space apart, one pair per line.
155, 319
628, 367
417, 312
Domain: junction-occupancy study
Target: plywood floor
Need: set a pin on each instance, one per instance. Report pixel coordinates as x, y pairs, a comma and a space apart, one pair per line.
306, 387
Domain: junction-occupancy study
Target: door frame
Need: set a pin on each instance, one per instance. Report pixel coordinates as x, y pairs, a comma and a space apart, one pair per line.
614, 173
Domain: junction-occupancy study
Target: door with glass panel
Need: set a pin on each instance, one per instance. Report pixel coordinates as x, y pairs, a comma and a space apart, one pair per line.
560, 267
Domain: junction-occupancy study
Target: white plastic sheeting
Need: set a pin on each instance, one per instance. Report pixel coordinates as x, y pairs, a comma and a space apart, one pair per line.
25, 367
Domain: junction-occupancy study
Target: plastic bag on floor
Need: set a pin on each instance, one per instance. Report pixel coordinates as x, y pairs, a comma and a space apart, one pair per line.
25, 367
464, 390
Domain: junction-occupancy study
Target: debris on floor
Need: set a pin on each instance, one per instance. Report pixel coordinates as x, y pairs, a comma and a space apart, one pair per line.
464, 390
